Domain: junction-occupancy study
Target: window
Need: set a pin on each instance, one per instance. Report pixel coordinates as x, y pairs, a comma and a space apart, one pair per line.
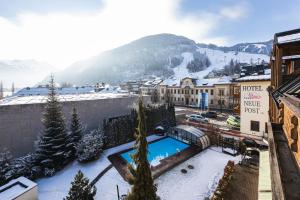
211, 101
162, 90
192, 91
182, 99
201, 91
171, 91
196, 91
174, 91
212, 92
178, 99
182, 92
221, 92
254, 126
206, 91
192, 100
178, 91
196, 100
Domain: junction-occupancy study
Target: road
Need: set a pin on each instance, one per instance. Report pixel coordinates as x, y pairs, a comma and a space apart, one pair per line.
220, 120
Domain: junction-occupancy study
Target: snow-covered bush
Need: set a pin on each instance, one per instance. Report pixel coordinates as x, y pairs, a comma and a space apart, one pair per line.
5, 160
49, 171
22, 166
90, 146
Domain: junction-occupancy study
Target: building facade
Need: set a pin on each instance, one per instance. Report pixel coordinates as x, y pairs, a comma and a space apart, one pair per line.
284, 128
149, 87
254, 104
189, 92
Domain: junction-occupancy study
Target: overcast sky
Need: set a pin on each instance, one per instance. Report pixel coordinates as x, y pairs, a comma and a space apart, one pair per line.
61, 32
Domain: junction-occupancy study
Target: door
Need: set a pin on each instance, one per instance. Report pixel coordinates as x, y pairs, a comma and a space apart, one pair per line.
187, 101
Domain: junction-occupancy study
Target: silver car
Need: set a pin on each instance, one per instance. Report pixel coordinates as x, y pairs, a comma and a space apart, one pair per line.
197, 118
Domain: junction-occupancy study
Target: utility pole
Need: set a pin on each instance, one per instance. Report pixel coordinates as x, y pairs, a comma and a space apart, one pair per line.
13, 88
1, 90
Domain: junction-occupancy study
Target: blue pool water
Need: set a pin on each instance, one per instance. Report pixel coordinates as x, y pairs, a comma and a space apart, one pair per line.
159, 150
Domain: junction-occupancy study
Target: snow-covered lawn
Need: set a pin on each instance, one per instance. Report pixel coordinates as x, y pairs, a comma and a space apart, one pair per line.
57, 187
173, 185
197, 184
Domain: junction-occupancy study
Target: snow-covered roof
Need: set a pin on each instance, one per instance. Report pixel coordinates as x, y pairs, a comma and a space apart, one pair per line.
293, 57
15, 100
152, 82
289, 38
171, 82
16, 187
28, 91
255, 78
199, 82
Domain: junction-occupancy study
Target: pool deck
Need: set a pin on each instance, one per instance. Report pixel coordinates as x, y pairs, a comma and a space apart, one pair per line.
166, 164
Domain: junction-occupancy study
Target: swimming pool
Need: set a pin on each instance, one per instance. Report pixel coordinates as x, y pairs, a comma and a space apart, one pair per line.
159, 150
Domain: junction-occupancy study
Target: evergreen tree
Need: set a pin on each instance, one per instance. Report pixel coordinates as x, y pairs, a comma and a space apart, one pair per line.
75, 135
51, 146
81, 189
5, 162
143, 187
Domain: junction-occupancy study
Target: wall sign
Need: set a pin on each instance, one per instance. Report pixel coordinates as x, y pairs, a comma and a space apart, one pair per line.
252, 99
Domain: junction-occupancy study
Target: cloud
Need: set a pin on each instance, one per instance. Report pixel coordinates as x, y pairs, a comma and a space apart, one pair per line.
61, 39
235, 12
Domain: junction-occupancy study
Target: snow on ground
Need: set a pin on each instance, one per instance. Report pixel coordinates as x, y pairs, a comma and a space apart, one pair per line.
218, 60
198, 183
172, 185
57, 187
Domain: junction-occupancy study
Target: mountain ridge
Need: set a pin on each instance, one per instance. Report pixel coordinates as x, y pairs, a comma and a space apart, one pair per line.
161, 55
158, 55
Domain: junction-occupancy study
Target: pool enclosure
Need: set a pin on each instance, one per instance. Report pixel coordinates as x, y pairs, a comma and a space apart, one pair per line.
190, 135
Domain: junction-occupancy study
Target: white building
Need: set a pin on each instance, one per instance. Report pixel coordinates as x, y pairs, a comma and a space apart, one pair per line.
187, 92
254, 104
148, 87
44, 90
19, 189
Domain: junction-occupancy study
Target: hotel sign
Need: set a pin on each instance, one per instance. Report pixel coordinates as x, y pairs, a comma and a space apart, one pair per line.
252, 99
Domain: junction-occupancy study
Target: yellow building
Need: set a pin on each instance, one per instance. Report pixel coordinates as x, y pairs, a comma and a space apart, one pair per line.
187, 92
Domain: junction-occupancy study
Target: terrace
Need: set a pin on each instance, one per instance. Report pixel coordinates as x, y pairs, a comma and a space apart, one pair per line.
203, 177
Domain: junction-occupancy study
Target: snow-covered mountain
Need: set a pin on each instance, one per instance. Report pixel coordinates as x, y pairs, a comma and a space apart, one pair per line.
23, 72
256, 48
161, 55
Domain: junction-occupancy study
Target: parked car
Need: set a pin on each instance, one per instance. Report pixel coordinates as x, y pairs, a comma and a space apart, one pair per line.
250, 143
197, 118
209, 114
234, 121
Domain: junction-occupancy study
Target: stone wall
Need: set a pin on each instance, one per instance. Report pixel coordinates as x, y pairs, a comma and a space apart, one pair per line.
20, 125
